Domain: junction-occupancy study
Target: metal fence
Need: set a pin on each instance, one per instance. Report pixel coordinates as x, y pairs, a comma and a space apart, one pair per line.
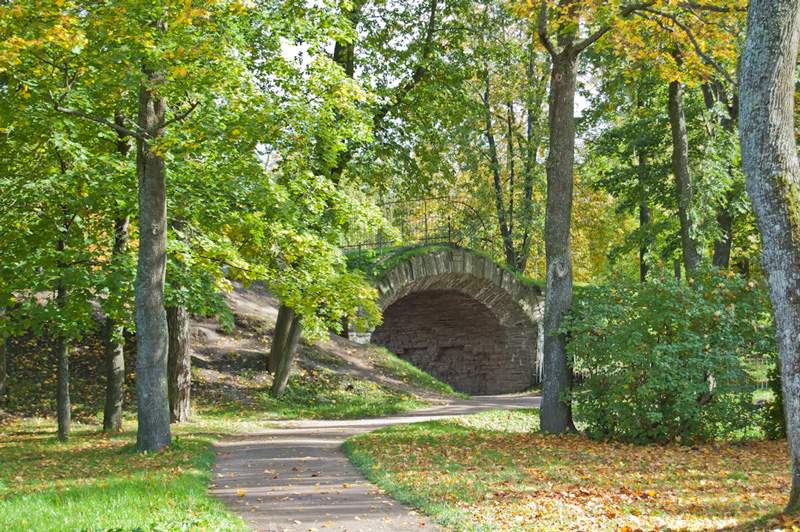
425, 221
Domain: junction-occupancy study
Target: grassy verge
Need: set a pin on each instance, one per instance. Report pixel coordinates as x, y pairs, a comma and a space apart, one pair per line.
312, 393
406, 372
494, 472
100, 482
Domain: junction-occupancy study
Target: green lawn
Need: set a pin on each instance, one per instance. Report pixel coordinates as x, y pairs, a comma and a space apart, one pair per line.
99, 482
493, 471
312, 393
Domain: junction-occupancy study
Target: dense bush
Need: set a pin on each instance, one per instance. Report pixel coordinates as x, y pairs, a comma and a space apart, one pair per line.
668, 360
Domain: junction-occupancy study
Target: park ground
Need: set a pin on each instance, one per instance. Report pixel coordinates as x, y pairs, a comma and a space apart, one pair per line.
490, 471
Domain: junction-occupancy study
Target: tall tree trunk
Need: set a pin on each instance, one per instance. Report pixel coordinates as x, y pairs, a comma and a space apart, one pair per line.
151, 322
683, 181
285, 315
556, 412
494, 163
512, 171
683, 178
115, 346
3, 366
644, 221
286, 358
772, 170
63, 411
712, 94
533, 112
179, 364
114, 333
722, 246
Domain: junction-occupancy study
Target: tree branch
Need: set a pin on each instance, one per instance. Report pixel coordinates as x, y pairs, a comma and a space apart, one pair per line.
180, 117
99, 120
716, 9
695, 44
419, 72
594, 37
541, 30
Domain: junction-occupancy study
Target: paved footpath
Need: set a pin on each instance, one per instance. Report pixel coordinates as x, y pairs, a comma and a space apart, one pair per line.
297, 478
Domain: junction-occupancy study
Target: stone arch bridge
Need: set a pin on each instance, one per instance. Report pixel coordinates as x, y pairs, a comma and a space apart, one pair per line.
459, 316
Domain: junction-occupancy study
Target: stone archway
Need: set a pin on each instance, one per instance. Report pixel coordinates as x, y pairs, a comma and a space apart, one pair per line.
459, 316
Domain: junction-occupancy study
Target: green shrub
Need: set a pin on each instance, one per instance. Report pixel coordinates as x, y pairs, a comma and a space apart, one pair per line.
666, 360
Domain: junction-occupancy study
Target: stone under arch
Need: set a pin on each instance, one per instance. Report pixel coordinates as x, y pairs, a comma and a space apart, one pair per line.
462, 318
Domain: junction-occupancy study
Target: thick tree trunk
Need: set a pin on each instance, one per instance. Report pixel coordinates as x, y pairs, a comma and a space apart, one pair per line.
115, 346
769, 156
151, 322
285, 316
286, 356
556, 413
179, 364
683, 179
63, 410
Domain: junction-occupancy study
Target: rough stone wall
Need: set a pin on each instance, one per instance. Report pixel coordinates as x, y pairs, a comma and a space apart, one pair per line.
442, 306
458, 340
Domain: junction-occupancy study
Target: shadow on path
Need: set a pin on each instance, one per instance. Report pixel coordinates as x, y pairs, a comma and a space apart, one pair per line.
296, 478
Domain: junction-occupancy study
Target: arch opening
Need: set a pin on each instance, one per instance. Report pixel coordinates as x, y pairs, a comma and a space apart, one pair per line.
460, 340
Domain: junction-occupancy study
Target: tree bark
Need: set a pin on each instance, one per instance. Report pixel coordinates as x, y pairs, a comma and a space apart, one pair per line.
3, 366
644, 215
286, 358
712, 94
533, 112
683, 179
179, 364
556, 413
644, 221
494, 163
151, 323
769, 156
63, 411
722, 246
285, 315
115, 346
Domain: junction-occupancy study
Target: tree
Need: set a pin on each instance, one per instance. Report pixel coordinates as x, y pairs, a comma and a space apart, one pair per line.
772, 170
179, 380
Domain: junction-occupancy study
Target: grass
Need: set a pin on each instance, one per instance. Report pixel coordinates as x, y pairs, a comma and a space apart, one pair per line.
495, 472
406, 372
100, 482
312, 393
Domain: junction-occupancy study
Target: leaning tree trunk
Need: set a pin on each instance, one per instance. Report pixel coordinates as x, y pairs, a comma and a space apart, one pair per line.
115, 346
179, 364
769, 156
63, 413
286, 358
683, 179
556, 414
151, 322
285, 315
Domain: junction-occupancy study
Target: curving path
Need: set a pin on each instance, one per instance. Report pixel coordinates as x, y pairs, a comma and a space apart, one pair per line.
297, 478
